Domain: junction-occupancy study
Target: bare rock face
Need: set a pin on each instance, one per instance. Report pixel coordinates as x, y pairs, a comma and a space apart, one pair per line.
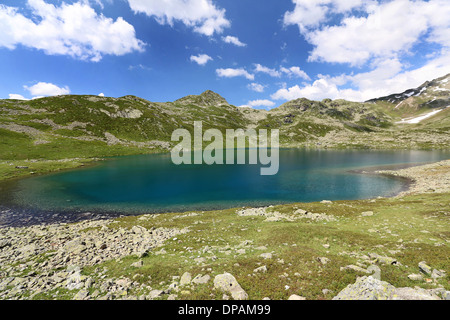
228, 283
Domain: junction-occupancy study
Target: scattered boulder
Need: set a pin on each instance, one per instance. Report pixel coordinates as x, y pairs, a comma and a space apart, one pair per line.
266, 255
138, 264
81, 295
185, 279
262, 269
323, 260
296, 297
383, 259
354, 268
155, 294
424, 268
437, 274
199, 279
228, 283
415, 277
367, 288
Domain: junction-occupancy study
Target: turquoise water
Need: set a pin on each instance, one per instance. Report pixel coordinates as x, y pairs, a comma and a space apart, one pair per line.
151, 183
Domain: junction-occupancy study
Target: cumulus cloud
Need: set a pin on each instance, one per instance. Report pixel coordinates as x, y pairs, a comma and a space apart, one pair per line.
379, 29
256, 87
74, 29
41, 89
233, 40
380, 36
387, 78
269, 71
201, 59
202, 15
290, 72
231, 73
295, 72
15, 96
101, 94
259, 103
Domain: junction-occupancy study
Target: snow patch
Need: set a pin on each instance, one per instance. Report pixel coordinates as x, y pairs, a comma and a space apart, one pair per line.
422, 117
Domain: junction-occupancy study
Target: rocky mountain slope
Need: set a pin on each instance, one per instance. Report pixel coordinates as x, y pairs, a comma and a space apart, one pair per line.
431, 94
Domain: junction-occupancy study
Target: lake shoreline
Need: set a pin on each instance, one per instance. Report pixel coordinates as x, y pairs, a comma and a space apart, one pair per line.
21, 217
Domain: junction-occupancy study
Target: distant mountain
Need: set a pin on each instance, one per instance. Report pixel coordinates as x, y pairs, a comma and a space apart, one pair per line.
207, 98
431, 94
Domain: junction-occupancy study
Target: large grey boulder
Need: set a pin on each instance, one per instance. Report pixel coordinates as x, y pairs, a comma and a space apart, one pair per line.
367, 288
228, 283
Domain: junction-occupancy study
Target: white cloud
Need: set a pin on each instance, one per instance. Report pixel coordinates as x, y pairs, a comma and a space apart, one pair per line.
259, 103
202, 15
201, 59
233, 40
381, 29
256, 87
271, 72
387, 78
291, 72
311, 13
139, 66
295, 72
15, 96
47, 89
231, 73
101, 94
70, 29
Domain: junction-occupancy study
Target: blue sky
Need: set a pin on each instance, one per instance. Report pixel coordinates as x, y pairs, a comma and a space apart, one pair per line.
254, 53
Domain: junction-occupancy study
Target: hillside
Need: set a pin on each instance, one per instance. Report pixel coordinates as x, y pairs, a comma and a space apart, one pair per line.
86, 127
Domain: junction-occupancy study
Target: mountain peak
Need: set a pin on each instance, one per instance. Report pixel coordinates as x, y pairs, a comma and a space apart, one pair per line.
434, 93
207, 98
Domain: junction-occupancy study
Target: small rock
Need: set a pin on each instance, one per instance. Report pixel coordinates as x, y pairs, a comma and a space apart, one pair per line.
155, 294
424, 268
323, 260
437, 274
262, 269
185, 279
415, 277
267, 255
138, 264
296, 297
199, 279
81, 295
